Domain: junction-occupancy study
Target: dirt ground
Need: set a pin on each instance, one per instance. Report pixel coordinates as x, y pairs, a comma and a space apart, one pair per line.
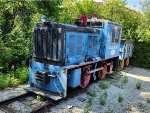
120, 96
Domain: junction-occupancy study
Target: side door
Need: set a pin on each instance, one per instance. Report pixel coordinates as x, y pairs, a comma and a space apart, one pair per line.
113, 41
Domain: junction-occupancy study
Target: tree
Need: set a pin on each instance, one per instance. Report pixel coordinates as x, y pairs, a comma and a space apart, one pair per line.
16, 23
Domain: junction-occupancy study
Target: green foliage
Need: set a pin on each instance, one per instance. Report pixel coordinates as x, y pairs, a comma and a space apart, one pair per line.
22, 75
109, 111
10, 80
103, 98
120, 98
17, 21
103, 85
3, 82
40, 98
143, 60
138, 85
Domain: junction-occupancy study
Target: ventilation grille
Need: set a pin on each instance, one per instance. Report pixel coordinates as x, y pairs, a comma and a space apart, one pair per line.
72, 42
92, 43
80, 45
46, 43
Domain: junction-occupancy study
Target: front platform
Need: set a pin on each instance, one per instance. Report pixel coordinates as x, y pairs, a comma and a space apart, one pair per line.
43, 93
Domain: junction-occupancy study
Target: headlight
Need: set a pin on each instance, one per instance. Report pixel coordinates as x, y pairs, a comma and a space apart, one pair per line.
43, 18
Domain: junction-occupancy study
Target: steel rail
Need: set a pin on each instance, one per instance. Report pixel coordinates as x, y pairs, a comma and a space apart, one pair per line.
51, 103
13, 99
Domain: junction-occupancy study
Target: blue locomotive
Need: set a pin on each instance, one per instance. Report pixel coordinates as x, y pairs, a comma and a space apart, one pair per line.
70, 56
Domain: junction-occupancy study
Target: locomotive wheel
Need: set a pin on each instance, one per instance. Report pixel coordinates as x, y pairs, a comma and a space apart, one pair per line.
102, 73
111, 67
127, 62
85, 78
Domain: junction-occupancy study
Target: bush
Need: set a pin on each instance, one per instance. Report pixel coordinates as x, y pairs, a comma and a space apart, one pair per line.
138, 85
7, 81
22, 74
103, 85
11, 80
3, 82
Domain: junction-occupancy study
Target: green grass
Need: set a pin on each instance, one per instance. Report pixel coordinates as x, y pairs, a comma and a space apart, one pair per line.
103, 85
11, 80
102, 99
138, 85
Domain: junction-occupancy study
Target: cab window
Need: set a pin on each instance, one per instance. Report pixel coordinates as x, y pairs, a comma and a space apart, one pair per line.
115, 35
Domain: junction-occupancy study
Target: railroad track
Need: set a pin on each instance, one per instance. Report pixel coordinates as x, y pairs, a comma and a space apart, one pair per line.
28, 103
39, 106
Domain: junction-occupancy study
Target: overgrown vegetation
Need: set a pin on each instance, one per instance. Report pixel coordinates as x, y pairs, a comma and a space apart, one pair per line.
138, 85
9, 80
19, 17
102, 99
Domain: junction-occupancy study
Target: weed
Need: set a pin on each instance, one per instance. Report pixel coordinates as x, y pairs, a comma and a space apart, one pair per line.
103, 85
117, 71
120, 98
109, 111
103, 98
138, 85
92, 93
88, 105
40, 98
125, 80
117, 74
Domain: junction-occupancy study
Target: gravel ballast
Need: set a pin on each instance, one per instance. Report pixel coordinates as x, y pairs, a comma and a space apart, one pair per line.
134, 100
